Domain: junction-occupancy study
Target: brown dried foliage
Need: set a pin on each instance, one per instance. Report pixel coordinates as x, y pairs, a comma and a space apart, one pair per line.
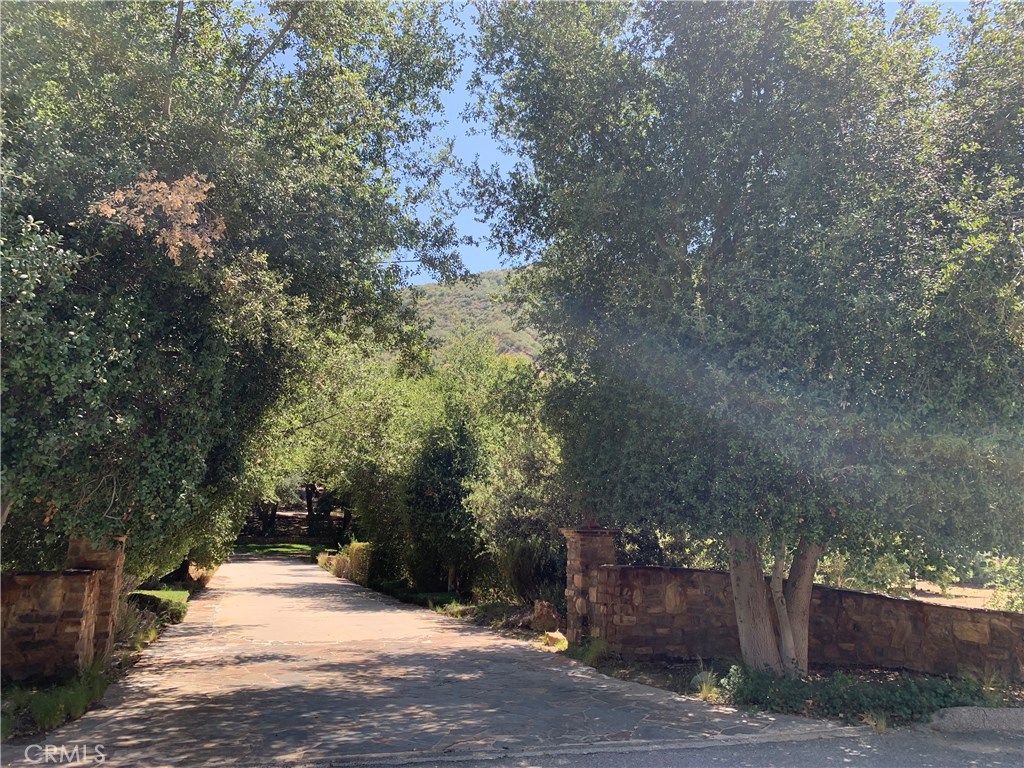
175, 208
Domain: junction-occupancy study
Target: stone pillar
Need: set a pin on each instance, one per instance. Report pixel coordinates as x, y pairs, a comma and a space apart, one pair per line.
48, 624
588, 549
109, 561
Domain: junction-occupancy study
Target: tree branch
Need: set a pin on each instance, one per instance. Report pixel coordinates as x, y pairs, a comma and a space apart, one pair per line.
172, 60
250, 73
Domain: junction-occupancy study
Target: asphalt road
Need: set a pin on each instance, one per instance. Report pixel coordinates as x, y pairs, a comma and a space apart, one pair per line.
905, 748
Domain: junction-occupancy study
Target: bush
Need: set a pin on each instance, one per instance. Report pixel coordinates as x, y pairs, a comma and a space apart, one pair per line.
340, 565
873, 572
167, 610
592, 652
34, 711
360, 560
532, 568
1006, 574
48, 710
444, 546
902, 700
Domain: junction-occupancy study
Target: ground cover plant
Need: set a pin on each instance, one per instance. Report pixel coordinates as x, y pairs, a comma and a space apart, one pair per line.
30, 709
875, 697
304, 551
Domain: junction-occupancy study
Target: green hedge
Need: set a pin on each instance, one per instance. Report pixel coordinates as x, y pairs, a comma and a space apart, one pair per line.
360, 558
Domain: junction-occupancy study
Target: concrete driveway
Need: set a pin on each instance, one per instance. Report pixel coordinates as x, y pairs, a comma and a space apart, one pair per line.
279, 663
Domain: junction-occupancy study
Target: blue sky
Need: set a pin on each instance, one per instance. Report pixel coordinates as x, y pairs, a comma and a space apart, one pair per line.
468, 147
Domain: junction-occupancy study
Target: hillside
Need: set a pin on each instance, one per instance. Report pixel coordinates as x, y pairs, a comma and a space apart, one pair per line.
475, 305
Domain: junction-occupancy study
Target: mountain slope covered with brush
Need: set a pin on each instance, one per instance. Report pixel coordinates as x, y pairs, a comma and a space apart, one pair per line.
476, 305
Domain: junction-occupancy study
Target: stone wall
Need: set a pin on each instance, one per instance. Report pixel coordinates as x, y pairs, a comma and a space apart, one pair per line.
49, 623
682, 613
55, 624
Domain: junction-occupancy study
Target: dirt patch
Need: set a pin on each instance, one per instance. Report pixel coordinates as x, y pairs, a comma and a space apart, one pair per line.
956, 596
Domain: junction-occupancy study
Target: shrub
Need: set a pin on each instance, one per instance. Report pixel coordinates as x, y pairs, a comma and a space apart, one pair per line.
167, 610
48, 709
592, 652
360, 560
336, 565
905, 699
532, 568
874, 572
444, 545
1006, 574
133, 626
340, 565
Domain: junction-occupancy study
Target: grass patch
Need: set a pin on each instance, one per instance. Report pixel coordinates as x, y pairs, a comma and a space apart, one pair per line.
173, 595
168, 605
307, 552
594, 653
29, 710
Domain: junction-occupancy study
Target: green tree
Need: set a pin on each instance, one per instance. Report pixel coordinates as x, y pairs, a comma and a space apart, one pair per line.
779, 297
190, 190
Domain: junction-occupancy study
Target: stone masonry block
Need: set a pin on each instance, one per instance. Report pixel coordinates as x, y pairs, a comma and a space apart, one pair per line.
971, 632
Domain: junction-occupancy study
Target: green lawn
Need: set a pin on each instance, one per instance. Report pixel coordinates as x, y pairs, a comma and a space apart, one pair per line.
294, 550
174, 595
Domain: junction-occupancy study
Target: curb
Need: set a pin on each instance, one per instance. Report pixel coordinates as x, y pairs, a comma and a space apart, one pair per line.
975, 719
564, 751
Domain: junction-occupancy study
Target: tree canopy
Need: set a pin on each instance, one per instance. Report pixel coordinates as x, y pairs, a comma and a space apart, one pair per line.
776, 265
191, 192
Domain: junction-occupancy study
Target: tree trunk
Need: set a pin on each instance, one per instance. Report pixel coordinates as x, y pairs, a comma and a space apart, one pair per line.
758, 642
798, 597
787, 649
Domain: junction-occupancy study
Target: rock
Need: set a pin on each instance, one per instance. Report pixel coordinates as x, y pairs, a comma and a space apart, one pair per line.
555, 638
545, 617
